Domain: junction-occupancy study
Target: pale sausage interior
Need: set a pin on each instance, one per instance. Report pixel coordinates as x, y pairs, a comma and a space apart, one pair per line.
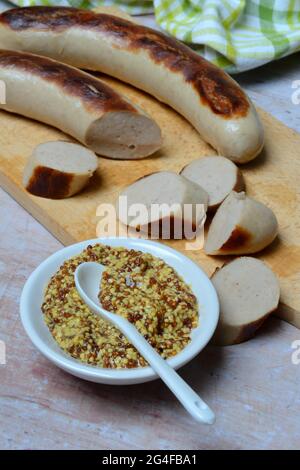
124, 135
166, 190
217, 175
66, 157
224, 222
247, 290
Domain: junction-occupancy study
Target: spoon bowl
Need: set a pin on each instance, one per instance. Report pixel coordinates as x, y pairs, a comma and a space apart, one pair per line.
88, 279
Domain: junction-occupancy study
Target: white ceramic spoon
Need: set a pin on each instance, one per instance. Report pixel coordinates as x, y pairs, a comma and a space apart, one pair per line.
88, 280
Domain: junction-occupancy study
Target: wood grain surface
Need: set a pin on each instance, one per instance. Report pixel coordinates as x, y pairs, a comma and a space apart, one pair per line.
253, 387
273, 178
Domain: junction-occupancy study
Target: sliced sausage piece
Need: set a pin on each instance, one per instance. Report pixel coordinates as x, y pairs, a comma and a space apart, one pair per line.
59, 169
217, 175
240, 226
248, 292
78, 104
164, 205
147, 59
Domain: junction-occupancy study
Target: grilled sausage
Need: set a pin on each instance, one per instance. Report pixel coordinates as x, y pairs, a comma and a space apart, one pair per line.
78, 104
162, 66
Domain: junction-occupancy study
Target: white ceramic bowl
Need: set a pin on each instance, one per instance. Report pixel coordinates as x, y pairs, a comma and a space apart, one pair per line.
37, 330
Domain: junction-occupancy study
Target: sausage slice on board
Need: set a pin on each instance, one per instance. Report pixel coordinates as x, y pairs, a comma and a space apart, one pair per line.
248, 293
163, 204
59, 169
240, 226
217, 175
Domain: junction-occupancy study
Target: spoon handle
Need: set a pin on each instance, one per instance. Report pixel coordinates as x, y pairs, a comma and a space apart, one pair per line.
184, 393
188, 398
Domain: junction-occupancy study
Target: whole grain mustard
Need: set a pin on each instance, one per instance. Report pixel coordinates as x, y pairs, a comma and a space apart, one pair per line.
136, 285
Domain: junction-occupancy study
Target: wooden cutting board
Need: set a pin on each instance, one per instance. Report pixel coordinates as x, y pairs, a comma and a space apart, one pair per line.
273, 178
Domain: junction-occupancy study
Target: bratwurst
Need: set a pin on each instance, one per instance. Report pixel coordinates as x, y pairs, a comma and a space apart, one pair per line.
147, 59
77, 104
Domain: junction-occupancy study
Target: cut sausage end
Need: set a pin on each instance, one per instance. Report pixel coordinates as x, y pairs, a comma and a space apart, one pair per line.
124, 135
241, 225
57, 170
248, 293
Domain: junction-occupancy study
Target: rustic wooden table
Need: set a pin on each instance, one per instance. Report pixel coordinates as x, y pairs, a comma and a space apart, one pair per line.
253, 387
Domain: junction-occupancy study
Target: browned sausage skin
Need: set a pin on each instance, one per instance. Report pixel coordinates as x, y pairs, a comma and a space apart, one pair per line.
147, 59
215, 88
93, 93
49, 183
78, 104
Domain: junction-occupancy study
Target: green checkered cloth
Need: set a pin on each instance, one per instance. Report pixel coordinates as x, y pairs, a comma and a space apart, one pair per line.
237, 35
